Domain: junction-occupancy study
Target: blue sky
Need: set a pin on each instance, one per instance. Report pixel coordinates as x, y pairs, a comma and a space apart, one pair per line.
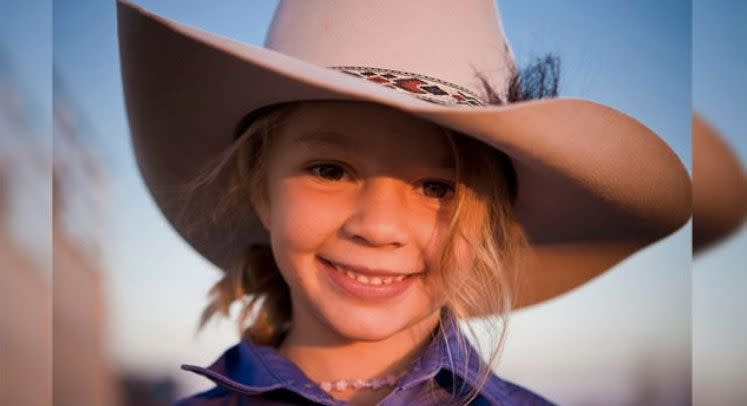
634, 56
26, 46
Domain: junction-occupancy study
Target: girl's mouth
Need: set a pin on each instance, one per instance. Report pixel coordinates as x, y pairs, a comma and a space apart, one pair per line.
365, 285
368, 279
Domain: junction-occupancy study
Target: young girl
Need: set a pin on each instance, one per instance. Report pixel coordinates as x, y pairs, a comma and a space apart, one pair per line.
365, 186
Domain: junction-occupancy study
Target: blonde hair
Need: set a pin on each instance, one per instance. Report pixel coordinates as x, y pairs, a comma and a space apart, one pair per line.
484, 194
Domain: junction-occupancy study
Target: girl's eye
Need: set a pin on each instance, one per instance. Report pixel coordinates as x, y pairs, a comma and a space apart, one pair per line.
438, 189
327, 171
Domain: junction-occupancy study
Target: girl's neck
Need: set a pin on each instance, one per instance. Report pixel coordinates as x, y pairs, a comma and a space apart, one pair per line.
324, 355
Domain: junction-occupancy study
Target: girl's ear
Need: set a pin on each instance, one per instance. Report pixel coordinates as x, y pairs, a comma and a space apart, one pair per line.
263, 212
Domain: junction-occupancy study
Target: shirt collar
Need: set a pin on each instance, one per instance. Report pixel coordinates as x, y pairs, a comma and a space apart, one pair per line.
452, 352
253, 369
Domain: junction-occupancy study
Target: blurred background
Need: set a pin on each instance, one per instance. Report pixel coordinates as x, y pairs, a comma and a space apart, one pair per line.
25, 209
128, 291
719, 279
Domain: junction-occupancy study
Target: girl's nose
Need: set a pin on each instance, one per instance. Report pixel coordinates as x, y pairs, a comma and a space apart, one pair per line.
380, 216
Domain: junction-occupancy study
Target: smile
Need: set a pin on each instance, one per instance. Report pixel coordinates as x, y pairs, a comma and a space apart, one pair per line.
368, 279
367, 284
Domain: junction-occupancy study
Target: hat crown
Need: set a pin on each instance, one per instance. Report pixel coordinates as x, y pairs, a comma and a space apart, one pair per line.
444, 39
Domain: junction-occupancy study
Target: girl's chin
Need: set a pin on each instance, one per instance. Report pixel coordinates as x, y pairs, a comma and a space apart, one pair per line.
365, 324
371, 324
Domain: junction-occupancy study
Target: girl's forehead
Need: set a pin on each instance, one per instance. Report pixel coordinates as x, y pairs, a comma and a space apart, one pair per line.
365, 127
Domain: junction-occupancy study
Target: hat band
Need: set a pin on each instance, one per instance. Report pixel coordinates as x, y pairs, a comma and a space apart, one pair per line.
423, 87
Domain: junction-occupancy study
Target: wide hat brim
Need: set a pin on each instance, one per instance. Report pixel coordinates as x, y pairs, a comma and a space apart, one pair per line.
594, 185
719, 187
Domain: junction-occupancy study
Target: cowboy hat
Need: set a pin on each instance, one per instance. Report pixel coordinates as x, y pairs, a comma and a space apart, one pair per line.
594, 185
719, 187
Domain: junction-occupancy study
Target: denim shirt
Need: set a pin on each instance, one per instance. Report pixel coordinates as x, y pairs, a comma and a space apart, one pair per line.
250, 374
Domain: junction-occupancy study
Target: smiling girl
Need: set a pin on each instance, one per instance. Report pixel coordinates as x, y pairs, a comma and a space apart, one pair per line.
365, 280
364, 197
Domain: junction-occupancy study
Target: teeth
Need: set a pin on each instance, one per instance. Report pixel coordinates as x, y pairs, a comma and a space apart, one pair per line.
373, 280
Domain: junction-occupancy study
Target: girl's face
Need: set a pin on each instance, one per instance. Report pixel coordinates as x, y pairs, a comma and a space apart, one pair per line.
360, 197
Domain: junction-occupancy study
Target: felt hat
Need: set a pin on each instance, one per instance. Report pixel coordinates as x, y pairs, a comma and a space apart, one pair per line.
594, 185
719, 187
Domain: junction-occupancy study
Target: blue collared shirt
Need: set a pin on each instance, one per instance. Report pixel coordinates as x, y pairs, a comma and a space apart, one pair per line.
250, 374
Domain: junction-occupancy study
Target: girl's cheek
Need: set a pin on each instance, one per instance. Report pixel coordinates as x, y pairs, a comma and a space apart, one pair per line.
305, 217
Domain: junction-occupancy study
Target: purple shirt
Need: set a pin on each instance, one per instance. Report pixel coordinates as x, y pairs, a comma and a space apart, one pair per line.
250, 374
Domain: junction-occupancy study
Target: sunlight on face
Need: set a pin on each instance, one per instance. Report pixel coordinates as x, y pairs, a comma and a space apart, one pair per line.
356, 186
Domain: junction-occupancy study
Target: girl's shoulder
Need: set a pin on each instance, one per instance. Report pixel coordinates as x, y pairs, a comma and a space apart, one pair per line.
492, 391
218, 396
503, 392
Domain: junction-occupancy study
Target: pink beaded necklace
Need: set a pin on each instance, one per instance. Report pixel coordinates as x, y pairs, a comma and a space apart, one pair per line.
341, 385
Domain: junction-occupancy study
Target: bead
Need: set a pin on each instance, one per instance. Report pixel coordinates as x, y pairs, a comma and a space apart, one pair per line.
377, 383
360, 384
326, 386
341, 385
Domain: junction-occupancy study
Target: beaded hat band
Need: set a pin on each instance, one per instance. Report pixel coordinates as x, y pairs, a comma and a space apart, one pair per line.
423, 87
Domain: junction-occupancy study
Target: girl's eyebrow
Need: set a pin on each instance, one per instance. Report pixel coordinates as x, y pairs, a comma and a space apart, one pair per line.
328, 138
334, 139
